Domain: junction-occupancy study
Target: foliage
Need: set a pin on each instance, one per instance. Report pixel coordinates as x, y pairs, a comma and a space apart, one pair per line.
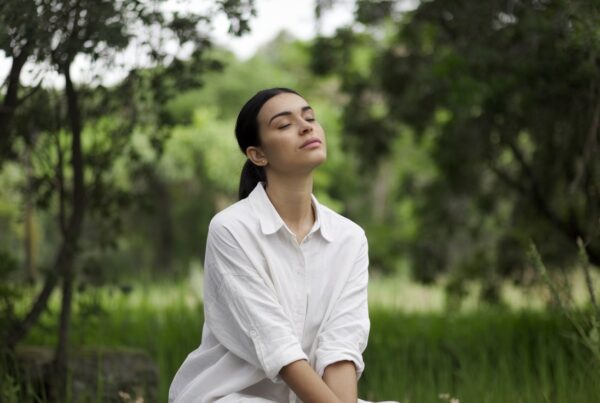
507, 94
74, 173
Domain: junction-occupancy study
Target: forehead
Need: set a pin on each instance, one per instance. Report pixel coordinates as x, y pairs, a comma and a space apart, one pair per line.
284, 102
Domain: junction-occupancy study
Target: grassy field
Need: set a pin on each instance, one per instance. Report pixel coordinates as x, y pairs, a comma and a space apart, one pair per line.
478, 354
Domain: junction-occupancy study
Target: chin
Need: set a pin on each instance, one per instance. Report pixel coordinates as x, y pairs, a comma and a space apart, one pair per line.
309, 166
319, 158
306, 163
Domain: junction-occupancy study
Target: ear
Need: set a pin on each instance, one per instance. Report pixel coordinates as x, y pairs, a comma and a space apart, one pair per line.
257, 156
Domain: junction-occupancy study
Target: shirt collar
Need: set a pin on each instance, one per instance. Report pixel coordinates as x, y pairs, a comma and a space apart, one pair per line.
271, 222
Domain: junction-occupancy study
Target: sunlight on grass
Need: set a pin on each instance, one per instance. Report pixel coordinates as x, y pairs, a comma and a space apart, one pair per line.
389, 292
403, 294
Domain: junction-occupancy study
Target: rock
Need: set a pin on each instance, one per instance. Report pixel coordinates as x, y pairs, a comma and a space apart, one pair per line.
110, 375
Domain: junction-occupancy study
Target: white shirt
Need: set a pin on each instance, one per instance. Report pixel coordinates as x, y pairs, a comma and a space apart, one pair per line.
269, 301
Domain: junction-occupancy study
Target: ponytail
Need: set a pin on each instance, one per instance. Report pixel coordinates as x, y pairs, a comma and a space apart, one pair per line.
251, 176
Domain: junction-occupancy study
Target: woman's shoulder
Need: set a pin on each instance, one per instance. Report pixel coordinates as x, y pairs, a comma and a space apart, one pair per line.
233, 217
341, 225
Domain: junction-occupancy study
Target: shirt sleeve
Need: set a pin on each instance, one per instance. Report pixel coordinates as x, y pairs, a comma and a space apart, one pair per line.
241, 308
345, 334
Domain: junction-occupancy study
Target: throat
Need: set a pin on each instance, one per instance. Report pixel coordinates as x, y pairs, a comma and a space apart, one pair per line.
302, 228
294, 206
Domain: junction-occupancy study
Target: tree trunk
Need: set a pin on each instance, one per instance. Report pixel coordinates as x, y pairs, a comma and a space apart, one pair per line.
73, 232
29, 241
163, 257
63, 264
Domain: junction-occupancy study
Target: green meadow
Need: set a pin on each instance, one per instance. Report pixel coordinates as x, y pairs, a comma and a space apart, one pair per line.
425, 354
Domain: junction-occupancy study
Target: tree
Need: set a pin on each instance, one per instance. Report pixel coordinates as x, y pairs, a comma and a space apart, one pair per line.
56, 32
509, 93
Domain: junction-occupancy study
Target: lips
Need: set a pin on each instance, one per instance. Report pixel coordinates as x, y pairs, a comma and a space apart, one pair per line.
309, 142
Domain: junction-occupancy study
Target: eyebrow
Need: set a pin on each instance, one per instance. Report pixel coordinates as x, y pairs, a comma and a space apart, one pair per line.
286, 113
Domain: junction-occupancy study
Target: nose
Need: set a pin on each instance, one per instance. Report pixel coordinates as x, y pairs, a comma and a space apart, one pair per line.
305, 127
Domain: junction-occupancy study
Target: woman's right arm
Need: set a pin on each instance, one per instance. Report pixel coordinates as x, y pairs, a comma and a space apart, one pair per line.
241, 308
305, 382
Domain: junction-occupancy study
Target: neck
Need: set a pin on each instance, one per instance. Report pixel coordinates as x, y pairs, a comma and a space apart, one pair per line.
291, 197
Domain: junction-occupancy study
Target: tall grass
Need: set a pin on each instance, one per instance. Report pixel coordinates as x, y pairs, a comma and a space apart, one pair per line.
483, 356
480, 355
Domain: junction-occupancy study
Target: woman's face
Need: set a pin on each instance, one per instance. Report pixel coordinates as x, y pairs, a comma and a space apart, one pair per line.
292, 141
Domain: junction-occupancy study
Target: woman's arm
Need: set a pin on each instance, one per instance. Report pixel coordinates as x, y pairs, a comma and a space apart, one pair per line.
305, 382
242, 310
341, 379
344, 334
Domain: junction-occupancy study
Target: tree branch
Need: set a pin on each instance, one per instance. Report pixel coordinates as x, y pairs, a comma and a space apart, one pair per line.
569, 228
29, 94
10, 101
590, 148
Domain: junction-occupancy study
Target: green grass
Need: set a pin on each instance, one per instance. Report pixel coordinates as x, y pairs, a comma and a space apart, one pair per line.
483, 356
477, 355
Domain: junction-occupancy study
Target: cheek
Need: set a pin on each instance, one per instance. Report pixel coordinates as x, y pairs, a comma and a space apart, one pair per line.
278, 148
320, 131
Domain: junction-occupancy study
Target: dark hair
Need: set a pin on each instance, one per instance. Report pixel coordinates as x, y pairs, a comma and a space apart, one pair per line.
246, 132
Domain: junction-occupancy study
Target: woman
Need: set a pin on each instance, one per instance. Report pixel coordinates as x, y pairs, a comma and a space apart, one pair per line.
285, 284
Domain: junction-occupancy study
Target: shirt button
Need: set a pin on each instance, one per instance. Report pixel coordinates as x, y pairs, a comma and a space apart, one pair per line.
253, 333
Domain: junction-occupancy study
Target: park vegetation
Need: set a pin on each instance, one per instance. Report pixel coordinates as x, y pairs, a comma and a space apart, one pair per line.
462, 135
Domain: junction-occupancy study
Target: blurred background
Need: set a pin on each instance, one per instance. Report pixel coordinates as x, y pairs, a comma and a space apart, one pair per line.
462, 136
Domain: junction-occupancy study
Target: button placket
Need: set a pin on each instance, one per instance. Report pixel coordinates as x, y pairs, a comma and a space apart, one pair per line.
303, 297
300, 300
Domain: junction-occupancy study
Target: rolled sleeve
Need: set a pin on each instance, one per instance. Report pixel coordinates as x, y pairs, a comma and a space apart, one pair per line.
241, 308
344, 336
